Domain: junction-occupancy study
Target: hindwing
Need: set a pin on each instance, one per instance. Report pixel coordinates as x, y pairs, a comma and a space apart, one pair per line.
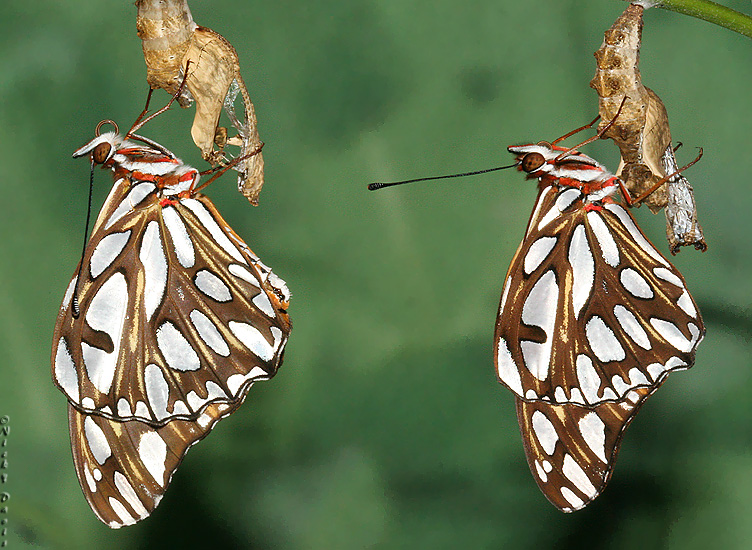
590, 309
124, 468
176, 312
571, 449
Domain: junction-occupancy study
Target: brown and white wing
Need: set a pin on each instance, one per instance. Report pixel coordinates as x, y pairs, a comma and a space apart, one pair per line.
124, 468
571, 449
176, 313
590, 310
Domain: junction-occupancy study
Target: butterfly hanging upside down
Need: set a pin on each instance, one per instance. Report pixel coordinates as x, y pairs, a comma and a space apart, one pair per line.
591, 321
168, 321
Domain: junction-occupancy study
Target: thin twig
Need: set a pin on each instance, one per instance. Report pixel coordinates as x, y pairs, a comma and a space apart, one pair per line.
708, 11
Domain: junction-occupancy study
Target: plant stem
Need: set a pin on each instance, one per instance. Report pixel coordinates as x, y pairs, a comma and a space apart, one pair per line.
712, 12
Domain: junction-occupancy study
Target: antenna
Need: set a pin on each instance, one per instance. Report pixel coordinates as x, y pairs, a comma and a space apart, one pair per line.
378, 185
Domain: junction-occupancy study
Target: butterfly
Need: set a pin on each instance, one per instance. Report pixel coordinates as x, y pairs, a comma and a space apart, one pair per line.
592, 319
168, 321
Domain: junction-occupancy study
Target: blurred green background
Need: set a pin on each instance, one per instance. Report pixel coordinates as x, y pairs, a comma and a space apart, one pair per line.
385, 427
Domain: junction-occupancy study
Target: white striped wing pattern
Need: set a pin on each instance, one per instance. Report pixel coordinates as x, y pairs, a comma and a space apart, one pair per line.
125, 467
571, 449
167, 323
592, 319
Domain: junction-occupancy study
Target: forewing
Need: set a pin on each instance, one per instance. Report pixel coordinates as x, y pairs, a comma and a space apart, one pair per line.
571, 449
124, 468
176, 313
590, 310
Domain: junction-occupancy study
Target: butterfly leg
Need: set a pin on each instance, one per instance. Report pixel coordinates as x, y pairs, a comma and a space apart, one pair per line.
628, 197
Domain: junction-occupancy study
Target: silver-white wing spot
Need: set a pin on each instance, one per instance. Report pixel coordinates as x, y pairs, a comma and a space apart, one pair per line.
538, 252
603, 341
638, 237
134, 197
636, 378
157, 390
593, 431
588, 377
106, 251
122, 513
685, 303
540, 310
508, 372
153, 259
209, 333
541, 199
194, 401
97, 441
667, 276
252, 339
609, 250
107, 312
577, 475
212, 286
235, 381
141, 410
695, 332
635, 283
632, 326
211, 225
583, 268
671, 333
204, 420
262, 302
90, 480
243, 273
152, 450
214, 390
126, 490
124, 408
176, 349
181, 240
504, 294
656, 370
65, 370
563, 201
541, 472
576, 396
619, 384
544, 432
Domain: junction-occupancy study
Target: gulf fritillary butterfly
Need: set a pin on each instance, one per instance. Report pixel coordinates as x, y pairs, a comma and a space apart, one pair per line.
167, 323
592, 319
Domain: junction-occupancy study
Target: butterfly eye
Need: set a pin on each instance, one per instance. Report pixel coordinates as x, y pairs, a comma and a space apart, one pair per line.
532, 161
101, 152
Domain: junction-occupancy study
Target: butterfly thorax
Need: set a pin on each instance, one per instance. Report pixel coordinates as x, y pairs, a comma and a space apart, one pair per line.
561, 168
142, 163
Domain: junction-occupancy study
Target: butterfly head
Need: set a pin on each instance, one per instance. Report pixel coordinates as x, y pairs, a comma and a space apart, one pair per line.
535, 159
102, 148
